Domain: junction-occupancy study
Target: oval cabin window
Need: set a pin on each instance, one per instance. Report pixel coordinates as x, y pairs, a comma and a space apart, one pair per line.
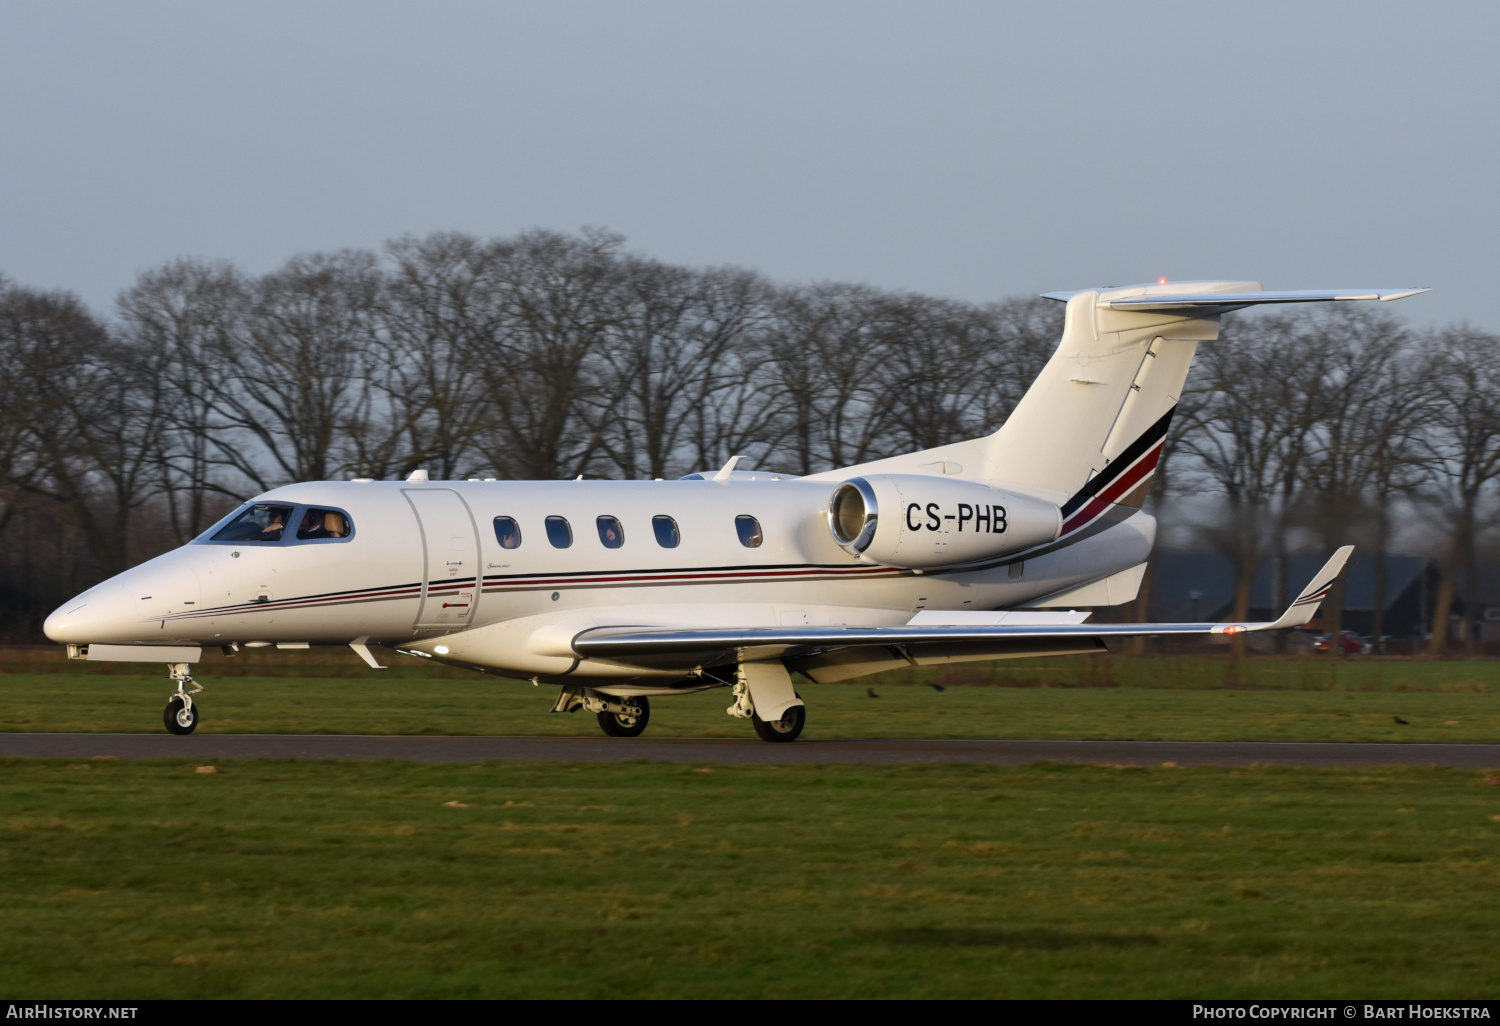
507, 533
611, 533
749, 531
559, 533
666, 532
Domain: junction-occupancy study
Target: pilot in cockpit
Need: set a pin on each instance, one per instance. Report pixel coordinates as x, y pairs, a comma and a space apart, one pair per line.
274, 526
312, 525
322, 523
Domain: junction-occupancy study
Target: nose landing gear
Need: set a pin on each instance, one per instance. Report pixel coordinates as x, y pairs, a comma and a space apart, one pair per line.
181, 715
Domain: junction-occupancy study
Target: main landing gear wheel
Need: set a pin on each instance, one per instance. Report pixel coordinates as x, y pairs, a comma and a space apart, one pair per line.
621, 725
179, 717
788, 728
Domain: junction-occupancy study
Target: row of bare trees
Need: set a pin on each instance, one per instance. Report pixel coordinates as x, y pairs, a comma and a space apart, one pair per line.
1343, 425
550, 355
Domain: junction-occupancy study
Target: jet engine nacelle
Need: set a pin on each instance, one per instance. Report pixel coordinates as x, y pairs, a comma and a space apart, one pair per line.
915, 522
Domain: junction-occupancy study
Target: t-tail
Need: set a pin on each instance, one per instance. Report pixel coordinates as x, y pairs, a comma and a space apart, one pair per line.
1088, 433
1091, 427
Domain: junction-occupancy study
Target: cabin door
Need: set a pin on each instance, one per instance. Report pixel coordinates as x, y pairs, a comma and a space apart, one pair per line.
450, 550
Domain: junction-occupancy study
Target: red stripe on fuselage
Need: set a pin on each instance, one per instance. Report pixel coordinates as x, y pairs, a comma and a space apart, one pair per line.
1115, 490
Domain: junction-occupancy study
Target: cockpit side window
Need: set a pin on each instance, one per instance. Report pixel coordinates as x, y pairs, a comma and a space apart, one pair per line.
262, 522
323, 523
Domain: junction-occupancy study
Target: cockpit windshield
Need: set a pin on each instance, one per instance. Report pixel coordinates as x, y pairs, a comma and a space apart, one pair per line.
262, 522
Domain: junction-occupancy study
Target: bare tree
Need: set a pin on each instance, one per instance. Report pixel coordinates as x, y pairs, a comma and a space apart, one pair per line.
440, 309
543, 378
184, 313
298, 369
826, 359
80, 409
939, 359
1464, 444
1240, 440
676, 347
1358, 385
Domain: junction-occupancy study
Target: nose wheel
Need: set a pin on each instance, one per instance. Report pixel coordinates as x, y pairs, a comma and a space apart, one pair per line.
181, 713
179, 717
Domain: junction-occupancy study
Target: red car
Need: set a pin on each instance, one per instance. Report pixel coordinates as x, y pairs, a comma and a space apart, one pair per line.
1350, 643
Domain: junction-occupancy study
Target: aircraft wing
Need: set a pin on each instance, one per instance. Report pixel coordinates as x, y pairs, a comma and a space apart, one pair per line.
1034, 634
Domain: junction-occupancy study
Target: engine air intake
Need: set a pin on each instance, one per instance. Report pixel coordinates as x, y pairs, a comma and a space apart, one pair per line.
853, 515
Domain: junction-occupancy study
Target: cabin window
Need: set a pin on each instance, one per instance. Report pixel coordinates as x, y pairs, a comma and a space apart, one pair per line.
262, 522
611, 532
322, 523
507, 533
559, 533
749, 531
666, 532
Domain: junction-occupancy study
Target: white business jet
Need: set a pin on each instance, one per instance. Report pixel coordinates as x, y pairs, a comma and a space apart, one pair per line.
617, 592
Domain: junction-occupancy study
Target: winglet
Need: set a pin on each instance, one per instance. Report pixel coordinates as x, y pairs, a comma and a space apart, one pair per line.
1306, 604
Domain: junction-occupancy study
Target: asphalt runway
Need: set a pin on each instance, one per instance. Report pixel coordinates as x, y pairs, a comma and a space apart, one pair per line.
749, 752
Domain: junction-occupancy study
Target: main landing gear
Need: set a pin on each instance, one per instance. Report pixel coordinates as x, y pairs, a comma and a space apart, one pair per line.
628, 722
763, 694
181, 714
618, 717
788, 728
767, 686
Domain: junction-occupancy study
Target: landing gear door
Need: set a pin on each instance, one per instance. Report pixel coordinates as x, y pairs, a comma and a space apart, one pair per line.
450, 550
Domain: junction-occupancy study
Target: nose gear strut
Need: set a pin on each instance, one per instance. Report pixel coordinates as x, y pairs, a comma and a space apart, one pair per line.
181, 715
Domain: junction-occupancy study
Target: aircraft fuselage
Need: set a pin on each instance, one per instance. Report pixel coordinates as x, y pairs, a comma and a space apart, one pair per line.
422, 562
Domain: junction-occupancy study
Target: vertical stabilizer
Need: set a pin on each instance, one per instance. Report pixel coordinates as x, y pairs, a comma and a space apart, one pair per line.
1088, 433
1092, 424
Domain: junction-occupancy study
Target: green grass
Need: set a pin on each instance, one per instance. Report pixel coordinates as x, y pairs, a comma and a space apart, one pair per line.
349, 879
1439, 701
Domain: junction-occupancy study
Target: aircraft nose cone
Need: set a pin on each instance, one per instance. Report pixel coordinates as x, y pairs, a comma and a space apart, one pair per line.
85, 617
127, 609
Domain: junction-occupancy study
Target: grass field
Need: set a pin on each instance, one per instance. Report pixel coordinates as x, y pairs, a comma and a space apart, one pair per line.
1177, 698
286, 879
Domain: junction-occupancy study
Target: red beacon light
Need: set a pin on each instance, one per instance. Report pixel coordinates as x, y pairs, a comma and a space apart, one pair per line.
1161, 281
1234, 628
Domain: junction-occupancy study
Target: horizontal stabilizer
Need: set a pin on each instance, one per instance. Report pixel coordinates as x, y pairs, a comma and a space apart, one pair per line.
1224, 301
1243, 299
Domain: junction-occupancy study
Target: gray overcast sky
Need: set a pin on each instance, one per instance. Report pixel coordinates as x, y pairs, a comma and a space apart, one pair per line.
968, 149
